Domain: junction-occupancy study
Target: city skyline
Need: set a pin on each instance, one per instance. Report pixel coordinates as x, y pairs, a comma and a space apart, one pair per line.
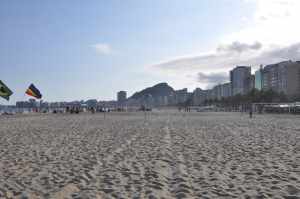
92, 50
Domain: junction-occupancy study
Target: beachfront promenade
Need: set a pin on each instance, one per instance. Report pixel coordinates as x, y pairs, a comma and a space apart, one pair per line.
165, 154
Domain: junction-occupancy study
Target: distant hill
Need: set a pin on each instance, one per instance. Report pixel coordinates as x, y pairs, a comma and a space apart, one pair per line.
162, 89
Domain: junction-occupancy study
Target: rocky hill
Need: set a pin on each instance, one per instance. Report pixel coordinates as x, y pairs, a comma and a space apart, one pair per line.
161, 89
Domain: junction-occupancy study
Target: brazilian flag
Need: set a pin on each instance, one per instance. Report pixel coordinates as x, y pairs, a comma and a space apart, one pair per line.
34, 92
5, 92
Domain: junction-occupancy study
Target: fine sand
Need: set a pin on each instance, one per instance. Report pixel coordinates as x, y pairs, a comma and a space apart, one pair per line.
158, 155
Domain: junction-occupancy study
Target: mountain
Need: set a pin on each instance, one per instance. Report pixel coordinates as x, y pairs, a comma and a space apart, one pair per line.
161, 89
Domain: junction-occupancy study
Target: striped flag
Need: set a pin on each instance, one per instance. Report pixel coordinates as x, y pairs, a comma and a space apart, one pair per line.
34, 92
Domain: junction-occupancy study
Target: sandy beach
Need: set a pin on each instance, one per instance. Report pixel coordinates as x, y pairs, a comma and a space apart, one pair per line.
162, 155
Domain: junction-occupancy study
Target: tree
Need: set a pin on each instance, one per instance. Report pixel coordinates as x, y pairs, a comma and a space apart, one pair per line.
254, 96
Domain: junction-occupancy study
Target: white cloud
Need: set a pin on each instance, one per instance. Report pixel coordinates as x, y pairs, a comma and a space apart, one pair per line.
239, 47
274, 22
103, 48
219, 61
222, 59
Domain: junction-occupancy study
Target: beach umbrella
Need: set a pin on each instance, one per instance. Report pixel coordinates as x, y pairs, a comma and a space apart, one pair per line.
34, 92
5, 92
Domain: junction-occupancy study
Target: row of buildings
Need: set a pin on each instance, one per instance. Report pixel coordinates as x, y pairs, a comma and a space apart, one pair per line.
283, 77
33, 104
177, 97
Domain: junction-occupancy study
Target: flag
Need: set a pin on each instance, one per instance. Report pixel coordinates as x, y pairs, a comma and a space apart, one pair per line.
34, 92
5, 92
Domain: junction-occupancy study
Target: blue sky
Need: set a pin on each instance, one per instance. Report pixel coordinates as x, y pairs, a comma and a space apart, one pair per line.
73, 49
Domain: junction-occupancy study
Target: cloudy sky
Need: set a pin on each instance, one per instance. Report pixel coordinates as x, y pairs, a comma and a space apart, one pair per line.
92, 49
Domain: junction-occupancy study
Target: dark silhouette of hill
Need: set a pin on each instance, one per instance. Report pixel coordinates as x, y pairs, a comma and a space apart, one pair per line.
161, 89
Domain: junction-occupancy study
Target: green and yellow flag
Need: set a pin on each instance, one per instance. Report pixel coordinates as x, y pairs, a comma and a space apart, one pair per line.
5, 92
